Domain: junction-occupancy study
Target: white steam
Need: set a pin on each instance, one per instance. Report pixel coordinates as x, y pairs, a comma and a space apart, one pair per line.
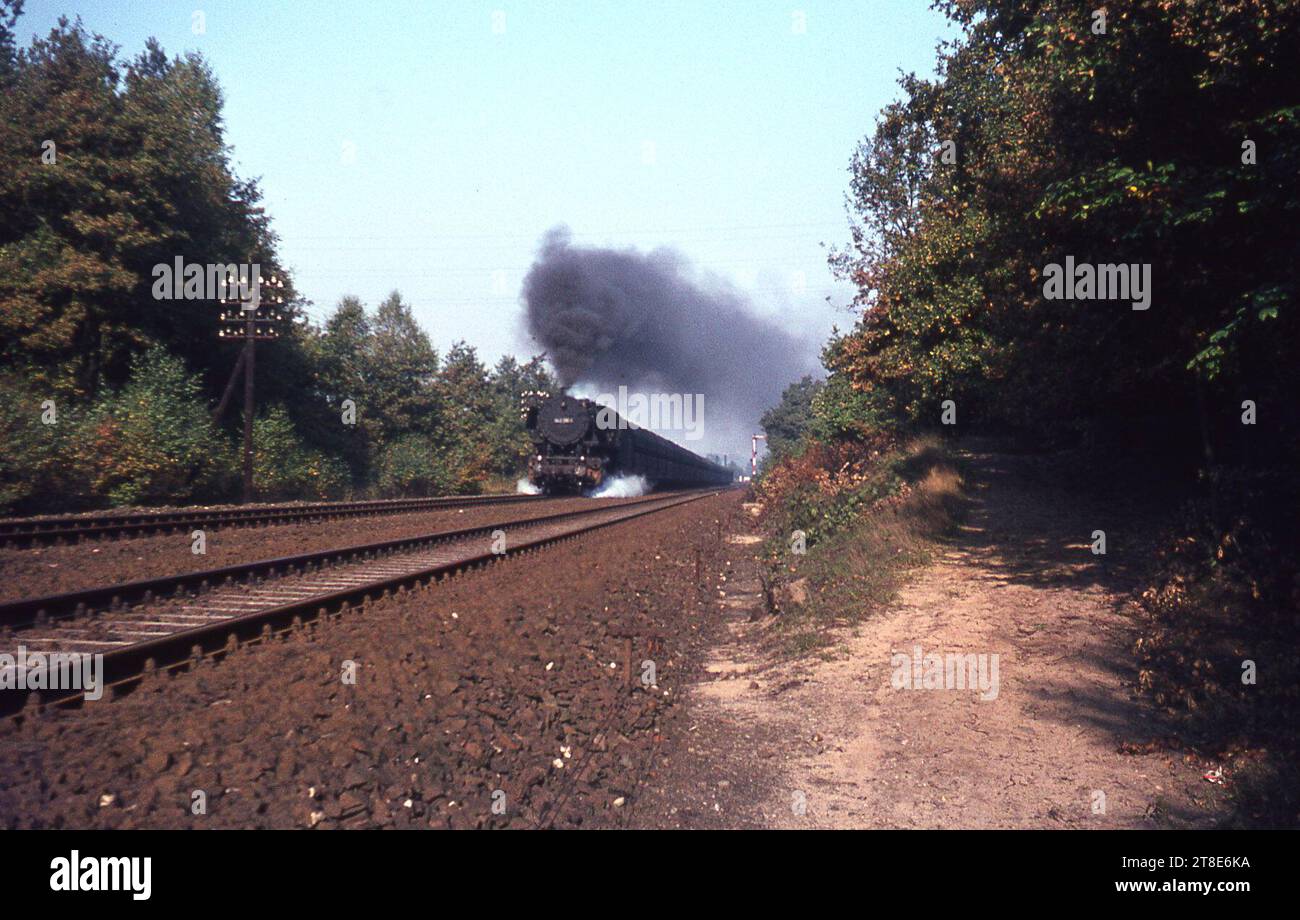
622, 487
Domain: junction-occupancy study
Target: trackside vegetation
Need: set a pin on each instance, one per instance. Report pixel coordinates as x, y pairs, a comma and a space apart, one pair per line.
1154, 141
109, 167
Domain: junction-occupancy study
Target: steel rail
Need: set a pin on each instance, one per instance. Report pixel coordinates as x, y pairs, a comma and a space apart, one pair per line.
127, 664
34, 610
27, 531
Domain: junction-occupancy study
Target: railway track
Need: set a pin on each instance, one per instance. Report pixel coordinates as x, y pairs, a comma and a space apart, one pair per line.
19, 532
143, 626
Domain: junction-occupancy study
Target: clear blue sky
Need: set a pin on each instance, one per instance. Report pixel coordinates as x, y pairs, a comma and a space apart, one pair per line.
420, 146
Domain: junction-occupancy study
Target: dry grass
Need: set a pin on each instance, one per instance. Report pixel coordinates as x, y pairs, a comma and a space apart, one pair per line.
932, 505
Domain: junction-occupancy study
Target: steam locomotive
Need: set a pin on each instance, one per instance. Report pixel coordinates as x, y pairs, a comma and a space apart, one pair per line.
579, 444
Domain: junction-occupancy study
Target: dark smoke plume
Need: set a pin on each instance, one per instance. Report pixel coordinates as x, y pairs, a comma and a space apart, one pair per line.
648, 321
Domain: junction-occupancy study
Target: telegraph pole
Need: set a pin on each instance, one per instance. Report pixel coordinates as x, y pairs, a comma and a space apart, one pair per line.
258, 322
250, 352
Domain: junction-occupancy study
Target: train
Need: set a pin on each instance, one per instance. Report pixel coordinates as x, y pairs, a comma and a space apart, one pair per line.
579, 444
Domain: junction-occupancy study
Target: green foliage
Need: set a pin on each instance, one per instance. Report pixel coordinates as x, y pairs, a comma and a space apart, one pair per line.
787, 422
138, 174
507, 436
422, 423
466, 394
868, 516
10, 10
33, 463
1171, 141
341, 358
821, 487
285, 467
152, 441
1118, 148
412, 465
840, 412
401, 367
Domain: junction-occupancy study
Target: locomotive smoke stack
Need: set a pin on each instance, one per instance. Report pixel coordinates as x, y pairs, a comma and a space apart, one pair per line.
649, 321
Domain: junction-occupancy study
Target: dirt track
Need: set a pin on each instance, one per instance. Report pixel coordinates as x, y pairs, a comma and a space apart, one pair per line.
833, 744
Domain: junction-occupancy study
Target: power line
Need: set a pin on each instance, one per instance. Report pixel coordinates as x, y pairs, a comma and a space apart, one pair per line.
443, 234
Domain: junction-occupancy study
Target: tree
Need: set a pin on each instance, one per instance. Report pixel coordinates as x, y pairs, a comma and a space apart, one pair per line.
10, 10
285, 467
402, 366
788, 421
509, 440
110, 170
340, 356
1073, 143
468, 417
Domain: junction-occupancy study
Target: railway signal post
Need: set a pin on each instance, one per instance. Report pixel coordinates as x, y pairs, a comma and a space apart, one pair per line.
753, 456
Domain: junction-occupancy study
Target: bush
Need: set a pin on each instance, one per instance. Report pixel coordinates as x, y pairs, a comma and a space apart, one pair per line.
410, 466
284, 467
153, 441
1219, 596
822, 487
468, 468
35, 472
